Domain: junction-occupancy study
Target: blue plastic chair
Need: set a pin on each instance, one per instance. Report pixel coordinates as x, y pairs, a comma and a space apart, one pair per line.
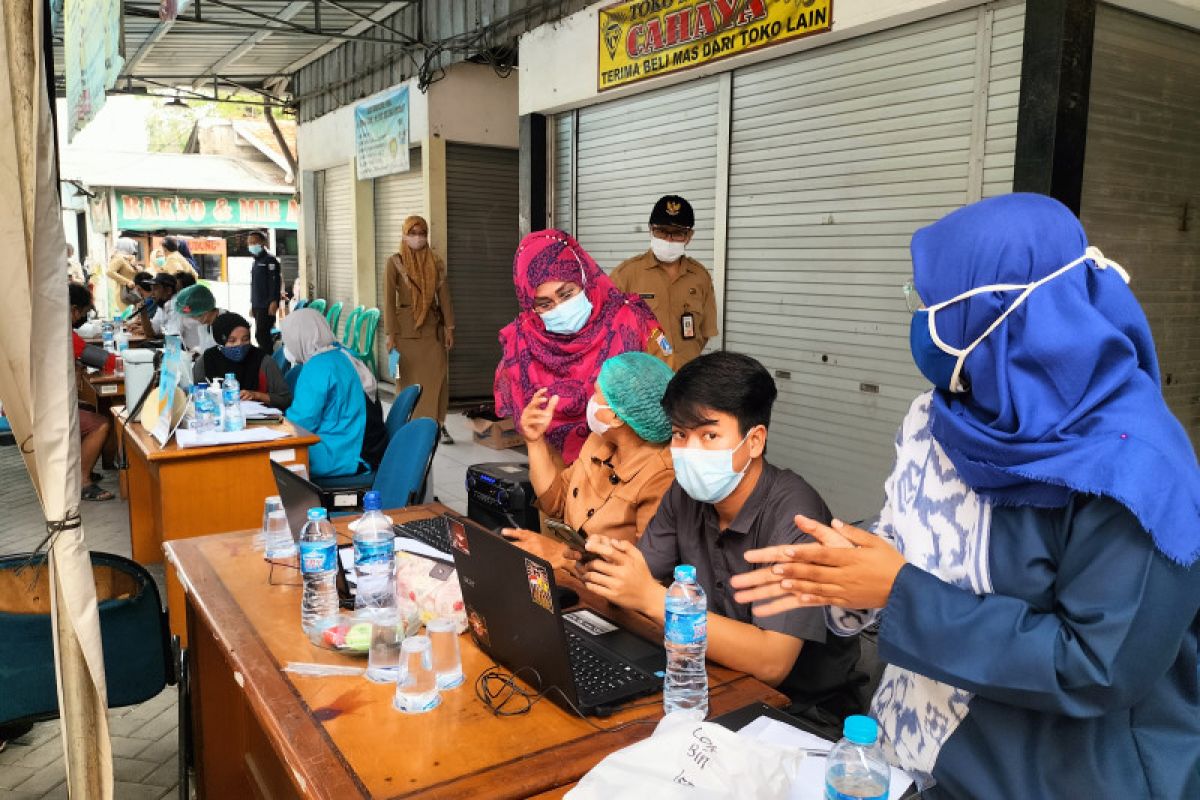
402, 409
406, 464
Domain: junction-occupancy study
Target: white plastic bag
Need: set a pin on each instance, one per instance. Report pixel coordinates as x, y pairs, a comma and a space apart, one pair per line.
689, 759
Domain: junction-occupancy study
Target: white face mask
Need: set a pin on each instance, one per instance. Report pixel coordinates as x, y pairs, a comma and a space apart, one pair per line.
597, 425
708, 476
416, 242
287, 354
1092, 254
667, 252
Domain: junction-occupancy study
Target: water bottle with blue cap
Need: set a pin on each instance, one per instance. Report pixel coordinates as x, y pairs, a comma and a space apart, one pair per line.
856, 768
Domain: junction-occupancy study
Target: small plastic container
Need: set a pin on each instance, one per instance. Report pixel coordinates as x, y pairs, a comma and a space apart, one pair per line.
447, 660
417, 689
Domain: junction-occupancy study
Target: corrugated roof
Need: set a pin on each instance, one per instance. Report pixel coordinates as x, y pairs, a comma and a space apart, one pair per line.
183, 171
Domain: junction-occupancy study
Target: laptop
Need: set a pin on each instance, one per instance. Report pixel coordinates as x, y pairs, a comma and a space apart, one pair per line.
514, 616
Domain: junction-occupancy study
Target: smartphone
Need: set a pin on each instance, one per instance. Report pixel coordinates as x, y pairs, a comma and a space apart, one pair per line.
576, 540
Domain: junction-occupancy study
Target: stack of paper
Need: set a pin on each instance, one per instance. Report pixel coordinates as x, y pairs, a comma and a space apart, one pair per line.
254, 411
189, 438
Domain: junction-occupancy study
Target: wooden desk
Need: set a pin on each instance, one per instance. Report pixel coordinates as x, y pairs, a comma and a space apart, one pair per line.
260, 732
135, 340
177, 493
104, 390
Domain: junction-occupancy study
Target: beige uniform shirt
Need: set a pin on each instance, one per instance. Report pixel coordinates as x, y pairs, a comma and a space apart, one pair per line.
690, 294
121, 269
177, 263
610, 494
397, 306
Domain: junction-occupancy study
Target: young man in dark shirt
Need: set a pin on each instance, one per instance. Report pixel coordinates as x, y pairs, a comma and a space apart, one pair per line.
265, 284
726, 500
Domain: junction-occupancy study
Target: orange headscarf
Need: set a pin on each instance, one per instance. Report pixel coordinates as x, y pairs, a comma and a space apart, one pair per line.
420, 270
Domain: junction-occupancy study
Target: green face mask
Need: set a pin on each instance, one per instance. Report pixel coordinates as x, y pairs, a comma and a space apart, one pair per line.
160, 261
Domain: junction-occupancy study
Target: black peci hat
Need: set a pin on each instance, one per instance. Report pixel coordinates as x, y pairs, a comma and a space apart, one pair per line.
673, 210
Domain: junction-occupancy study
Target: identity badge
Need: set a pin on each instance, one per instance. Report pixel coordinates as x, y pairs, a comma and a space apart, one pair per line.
687, 325
539, 585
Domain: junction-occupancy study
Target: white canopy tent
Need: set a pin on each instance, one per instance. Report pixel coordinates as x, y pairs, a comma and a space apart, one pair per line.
37, 386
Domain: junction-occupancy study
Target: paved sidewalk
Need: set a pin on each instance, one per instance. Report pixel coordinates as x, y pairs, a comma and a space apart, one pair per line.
145, 737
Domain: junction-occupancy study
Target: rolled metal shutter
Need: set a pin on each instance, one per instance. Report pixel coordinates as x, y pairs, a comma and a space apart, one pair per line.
483, 232
563, 161
837, 155
1141, 184
396, 197
336, 236
633, 151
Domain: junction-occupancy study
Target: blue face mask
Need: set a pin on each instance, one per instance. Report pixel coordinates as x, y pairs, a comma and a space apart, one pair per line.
935, 364
570, 316
707, 476
255, 249
236, 353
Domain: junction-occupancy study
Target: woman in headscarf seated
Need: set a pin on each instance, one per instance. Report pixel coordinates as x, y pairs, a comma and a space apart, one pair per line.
624, 468
572, 320
336, 397
1035, 559
258, 375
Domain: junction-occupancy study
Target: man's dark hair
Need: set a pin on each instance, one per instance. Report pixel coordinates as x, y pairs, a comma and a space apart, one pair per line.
184, 279
81, 296
143, 280
171, 244
256, 236
731, 383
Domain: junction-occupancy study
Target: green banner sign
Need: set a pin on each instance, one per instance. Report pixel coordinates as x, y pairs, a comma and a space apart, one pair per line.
148, 212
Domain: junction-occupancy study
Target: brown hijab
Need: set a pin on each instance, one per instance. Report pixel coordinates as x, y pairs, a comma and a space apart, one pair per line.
420, 270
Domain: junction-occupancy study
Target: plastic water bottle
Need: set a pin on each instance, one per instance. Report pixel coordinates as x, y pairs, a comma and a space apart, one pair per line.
318, 566
204, 409
121, 337
106, 335
277, 533
685, 637
856, 768
231, 400
374, 558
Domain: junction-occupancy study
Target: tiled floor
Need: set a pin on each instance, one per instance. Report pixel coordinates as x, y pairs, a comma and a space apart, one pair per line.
145, 736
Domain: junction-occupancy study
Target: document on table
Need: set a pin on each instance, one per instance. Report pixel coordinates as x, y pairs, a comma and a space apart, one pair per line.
810, 783
253, 411
189, 438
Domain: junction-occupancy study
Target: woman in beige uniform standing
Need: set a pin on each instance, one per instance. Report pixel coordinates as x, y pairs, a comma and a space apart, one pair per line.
122, 268
419, 320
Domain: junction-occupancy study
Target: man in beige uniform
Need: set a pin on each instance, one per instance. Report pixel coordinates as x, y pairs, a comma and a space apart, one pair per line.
676, 287
175, 260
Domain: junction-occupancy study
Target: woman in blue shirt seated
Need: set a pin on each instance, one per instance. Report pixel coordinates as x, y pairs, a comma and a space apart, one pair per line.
1035, 561
336, 397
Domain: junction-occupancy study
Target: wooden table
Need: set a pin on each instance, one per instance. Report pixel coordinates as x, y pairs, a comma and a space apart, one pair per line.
177, 493
135, 340
104, 390
260, 732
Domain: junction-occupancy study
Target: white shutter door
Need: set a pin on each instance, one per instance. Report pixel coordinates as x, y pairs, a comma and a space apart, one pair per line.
563, 136
337, 236
837, 155
483, 233
397, 197
1004, 93
634, 151
1141, 184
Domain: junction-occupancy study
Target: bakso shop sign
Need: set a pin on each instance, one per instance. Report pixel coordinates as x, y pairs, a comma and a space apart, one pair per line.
642, 39
148, 212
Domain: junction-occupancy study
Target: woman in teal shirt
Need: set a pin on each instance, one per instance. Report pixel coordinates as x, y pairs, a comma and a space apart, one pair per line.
331, 395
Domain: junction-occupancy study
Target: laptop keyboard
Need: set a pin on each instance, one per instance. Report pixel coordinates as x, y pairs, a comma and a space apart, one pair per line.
595, 674
433, 531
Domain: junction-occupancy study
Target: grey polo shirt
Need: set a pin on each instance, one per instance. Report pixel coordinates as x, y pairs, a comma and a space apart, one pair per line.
685, 531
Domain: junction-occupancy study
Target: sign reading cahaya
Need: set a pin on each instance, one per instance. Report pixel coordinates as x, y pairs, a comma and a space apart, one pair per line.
642, 39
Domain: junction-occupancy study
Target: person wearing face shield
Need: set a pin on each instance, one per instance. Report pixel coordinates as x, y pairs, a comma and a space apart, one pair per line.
616, 484
257, 373
572, 320
728, 499
418, 317
1035, 560
197, 311
676, 286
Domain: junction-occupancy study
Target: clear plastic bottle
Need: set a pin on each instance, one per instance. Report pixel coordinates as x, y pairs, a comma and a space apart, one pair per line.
106, 336
374, 558
277, 534
318, 566
685, 636
856, 768
121, 339
204, 409
231, 402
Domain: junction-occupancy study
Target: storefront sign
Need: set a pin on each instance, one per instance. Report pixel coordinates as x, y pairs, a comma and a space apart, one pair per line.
381, 135
148, 212
642, 39
91, 42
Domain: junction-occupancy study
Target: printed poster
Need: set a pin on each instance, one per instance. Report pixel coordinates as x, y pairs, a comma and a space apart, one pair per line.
381, 134
91, 45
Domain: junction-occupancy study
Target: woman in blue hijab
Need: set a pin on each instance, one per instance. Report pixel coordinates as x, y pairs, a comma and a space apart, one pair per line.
1035, 558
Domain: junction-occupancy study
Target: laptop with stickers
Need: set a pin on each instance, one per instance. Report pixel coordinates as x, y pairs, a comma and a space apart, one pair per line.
513, 613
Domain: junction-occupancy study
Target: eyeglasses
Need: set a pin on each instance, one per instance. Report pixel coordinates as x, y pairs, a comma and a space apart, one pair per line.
914, 301
671, 234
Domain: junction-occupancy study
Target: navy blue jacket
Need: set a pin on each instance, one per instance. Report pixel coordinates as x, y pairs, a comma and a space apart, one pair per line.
265, 280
